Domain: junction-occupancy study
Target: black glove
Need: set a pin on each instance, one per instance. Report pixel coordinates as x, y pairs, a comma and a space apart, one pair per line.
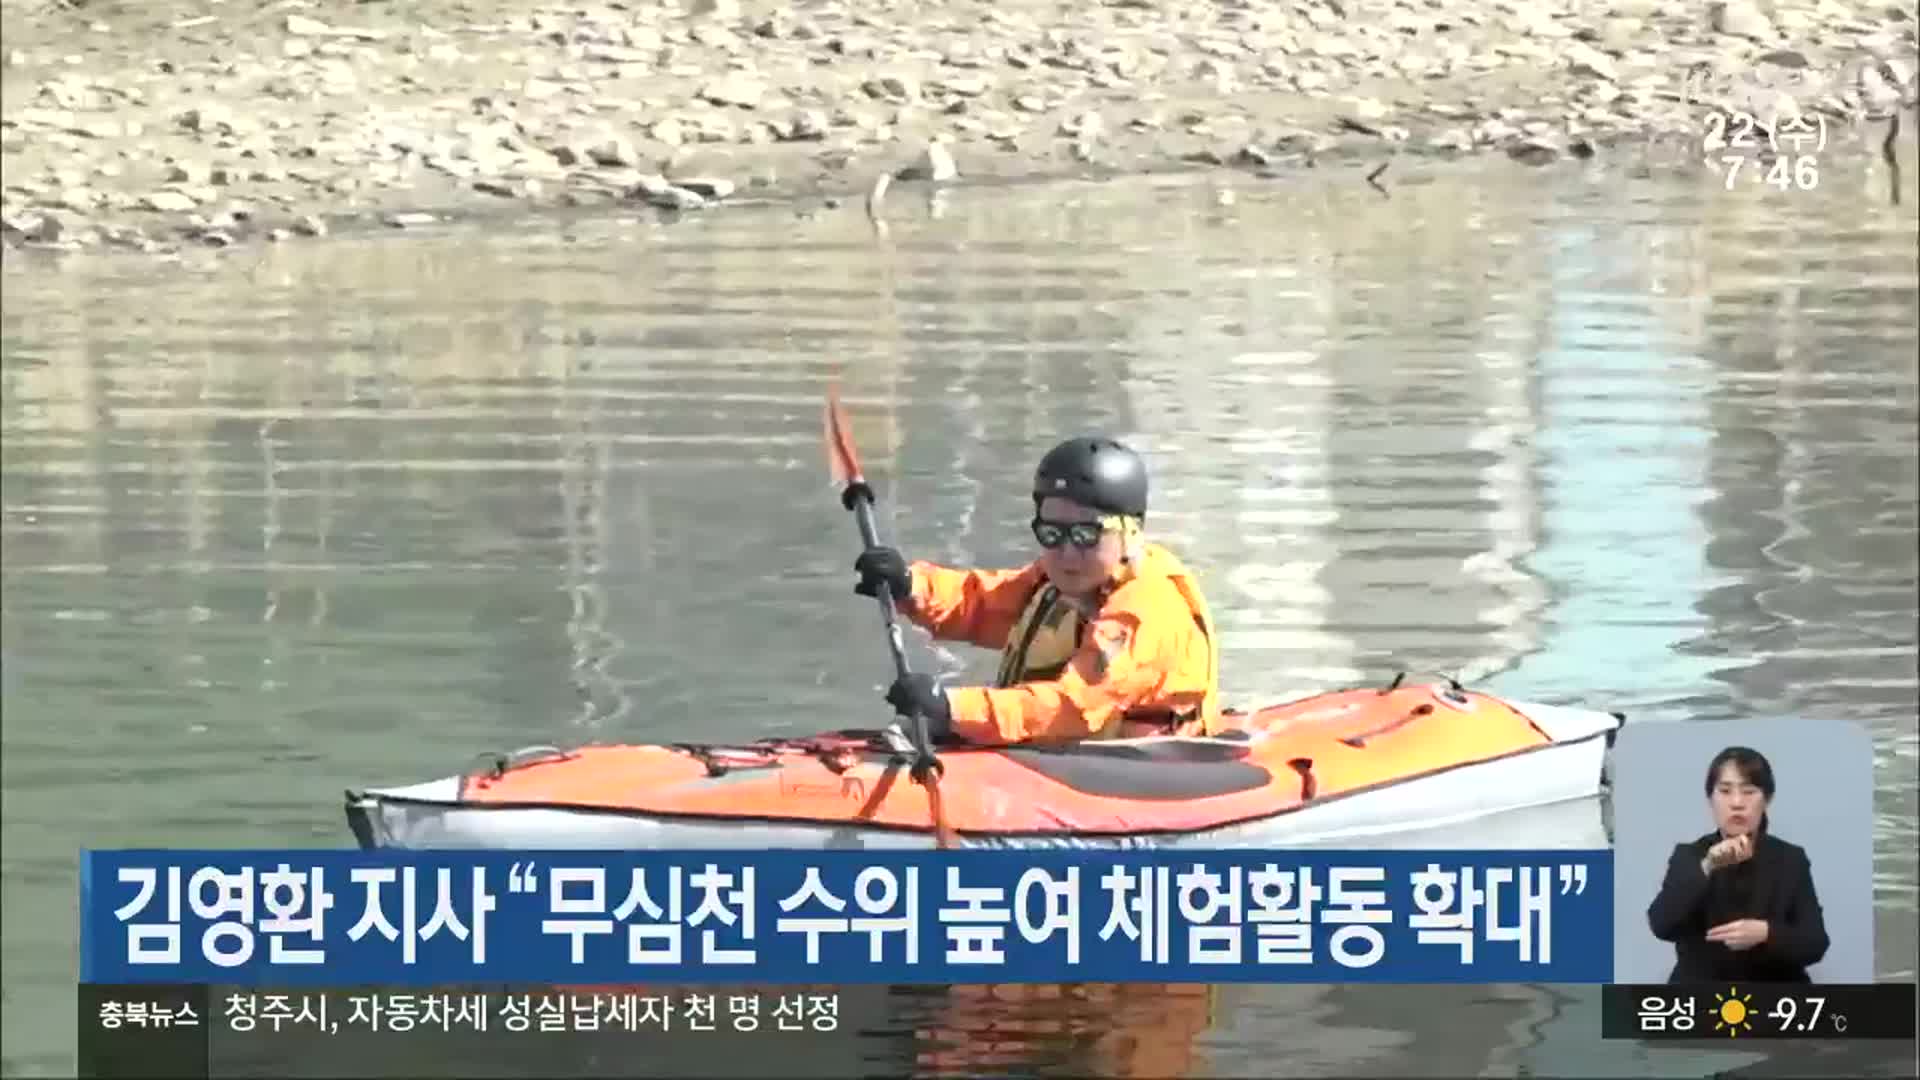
879, 564
917, 693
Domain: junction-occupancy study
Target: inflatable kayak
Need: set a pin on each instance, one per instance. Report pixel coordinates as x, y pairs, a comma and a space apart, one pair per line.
1349, 763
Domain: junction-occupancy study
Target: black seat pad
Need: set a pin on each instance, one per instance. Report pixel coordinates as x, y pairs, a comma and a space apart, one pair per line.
1166, 751
1157, 771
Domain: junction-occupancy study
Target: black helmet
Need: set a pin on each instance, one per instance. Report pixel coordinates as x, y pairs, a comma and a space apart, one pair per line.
1094, 471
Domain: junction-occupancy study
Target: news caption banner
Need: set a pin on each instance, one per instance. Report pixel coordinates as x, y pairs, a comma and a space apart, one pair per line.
312, 918
1735, 1010
426, 940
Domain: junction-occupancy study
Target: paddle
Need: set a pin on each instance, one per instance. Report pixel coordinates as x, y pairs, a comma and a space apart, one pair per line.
857, 496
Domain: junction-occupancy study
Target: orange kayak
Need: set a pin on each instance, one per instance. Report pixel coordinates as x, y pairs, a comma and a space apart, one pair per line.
1347, 764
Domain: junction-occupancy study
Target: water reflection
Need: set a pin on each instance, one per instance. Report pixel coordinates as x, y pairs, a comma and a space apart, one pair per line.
1336, 440
1089, 1029
349, 513
1813, 516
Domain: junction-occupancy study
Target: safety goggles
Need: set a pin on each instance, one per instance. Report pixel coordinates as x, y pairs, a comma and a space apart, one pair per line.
1084, 535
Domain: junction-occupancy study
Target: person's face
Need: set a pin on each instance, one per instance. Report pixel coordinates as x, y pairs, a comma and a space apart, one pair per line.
1073, 569
1737, 803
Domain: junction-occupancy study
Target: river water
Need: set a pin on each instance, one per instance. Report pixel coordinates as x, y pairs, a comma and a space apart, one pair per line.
288, 521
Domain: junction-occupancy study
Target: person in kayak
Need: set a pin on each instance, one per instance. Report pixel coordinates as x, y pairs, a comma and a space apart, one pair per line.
1103, 635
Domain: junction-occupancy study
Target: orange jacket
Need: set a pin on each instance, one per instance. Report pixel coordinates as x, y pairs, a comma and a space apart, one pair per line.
1148, 652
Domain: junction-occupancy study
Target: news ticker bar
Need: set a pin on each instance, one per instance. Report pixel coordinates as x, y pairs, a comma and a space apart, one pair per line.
208, 1031
1737, 1011
212, 1031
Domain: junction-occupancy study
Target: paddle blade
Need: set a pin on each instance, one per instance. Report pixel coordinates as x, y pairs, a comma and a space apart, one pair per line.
842, 462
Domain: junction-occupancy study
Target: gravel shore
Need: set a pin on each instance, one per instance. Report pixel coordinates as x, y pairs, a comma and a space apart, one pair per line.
154, 124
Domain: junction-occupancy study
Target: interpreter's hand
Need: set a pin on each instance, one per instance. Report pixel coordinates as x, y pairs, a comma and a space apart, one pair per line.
918, 693
1740, 933
883, 564
1735, 849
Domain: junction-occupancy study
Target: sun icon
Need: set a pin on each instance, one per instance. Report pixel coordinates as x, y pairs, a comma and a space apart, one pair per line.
1733, 1012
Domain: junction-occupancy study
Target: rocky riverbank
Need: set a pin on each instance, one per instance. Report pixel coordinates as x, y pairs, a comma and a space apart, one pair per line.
152, 124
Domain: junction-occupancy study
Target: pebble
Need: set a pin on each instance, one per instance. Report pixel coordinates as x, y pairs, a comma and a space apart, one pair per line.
935, 164
617, 151
710, 188
1739, 18
1532, 150
674, 197
169, 202
1584, 59
150, 127
737, 90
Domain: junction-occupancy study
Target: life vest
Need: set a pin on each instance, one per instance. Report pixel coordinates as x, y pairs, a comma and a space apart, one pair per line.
1051, 628
1043, 639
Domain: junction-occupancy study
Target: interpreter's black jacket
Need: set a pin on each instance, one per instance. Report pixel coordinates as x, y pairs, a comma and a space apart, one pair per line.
1774, 884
